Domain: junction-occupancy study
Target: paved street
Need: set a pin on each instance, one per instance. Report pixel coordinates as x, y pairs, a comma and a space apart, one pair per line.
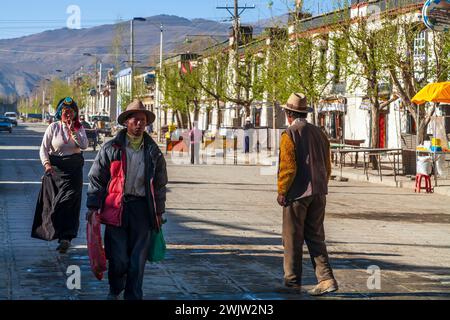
224, 240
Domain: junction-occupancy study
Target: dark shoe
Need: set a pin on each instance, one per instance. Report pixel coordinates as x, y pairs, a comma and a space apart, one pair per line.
289, 288
64, 245
112, 296
293, 285
324, 287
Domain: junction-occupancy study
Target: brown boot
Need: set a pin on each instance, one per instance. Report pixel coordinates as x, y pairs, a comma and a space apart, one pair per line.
324, 287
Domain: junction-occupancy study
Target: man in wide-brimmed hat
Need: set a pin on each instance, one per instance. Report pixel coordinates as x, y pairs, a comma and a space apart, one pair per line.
128, 190
303, 175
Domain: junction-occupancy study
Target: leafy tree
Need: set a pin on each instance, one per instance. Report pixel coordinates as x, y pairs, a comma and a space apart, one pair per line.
366, 49
412, 68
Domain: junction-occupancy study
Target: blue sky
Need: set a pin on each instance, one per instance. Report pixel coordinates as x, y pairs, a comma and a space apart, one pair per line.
24, 17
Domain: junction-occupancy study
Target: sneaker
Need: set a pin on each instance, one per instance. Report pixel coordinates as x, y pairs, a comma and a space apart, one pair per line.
64, 245
324, 287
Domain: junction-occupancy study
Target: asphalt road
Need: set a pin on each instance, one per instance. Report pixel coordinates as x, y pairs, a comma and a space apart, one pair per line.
223, 236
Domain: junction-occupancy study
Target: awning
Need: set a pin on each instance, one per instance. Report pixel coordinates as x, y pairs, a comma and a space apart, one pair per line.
330, 104
339, 107
434, 92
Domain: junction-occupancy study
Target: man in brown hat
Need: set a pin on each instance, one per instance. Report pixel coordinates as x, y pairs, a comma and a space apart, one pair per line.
303, 175
128, 190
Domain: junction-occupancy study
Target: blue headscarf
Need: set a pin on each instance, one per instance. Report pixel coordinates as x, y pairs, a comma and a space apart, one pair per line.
68, 102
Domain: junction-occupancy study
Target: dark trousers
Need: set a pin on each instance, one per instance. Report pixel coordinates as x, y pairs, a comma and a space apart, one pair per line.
247, 144
127, 250
195, 153
303, 222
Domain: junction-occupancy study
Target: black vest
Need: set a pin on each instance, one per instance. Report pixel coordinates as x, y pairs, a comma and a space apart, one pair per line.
312, 151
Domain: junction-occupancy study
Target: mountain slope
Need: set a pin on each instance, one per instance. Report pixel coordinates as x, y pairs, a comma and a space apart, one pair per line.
26, 60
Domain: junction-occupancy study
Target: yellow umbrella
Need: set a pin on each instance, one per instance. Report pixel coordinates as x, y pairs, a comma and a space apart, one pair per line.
434, 92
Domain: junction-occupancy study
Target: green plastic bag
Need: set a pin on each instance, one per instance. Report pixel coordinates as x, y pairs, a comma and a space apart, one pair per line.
157, 250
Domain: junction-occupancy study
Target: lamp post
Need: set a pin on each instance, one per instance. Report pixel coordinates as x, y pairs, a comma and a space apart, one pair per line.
132, 50
158, 92
98, 77
43, 98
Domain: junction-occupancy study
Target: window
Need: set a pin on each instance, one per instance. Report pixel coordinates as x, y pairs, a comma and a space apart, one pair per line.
420, 55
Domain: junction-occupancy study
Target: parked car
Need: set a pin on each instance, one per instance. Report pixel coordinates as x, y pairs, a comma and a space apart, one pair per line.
5, 124
12, 116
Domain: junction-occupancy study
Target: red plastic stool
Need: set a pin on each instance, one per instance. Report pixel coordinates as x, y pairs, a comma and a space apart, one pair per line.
427, 187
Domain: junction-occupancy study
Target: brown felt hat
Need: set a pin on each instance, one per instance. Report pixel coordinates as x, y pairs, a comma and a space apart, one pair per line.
136, 106
297, 102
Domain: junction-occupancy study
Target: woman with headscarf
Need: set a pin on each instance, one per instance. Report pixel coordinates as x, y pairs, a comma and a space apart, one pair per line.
58, 208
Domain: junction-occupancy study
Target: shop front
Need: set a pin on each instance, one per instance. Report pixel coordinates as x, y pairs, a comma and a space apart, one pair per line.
331, 118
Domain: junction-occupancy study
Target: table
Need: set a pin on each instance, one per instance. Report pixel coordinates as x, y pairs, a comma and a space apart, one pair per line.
368, 152
335, 146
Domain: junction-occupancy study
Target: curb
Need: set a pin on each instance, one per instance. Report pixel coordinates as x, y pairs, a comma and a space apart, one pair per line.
445, 191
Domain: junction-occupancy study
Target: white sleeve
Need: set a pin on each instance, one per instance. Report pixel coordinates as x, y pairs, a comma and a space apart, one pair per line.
82, 139
45, 146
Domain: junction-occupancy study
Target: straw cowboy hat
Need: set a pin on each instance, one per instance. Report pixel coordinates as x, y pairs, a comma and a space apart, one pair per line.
297, 102
136, 106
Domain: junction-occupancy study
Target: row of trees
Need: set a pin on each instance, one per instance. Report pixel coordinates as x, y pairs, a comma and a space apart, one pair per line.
372, 52
50, 92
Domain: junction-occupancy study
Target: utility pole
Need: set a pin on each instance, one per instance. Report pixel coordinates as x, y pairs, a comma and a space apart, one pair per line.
100, 89
132, 52
236, 15
132, 57
158, 92
43, 104
237, 39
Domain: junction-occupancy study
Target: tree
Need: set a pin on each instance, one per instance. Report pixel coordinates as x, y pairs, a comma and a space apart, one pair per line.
366, 45
117, 45
177, 95
213, 79
413, 60
276, 71
250, 87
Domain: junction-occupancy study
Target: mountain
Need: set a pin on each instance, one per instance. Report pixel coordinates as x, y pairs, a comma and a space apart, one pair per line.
27, 60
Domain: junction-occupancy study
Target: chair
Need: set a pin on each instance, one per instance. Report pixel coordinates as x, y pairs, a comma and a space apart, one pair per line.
419, 186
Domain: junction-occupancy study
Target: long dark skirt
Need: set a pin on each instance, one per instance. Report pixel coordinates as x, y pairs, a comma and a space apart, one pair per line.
57, 214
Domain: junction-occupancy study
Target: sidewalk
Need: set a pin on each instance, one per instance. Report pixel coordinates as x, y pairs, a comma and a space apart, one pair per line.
388, 180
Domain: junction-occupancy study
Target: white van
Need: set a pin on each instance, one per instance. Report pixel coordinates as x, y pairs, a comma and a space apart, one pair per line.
12, 116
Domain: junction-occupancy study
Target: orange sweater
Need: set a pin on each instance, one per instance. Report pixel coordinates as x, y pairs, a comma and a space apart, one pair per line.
288, 165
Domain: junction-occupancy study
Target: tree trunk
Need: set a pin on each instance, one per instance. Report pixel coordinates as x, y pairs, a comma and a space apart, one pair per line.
208, 118
375, 131
219, 115
422, 132
314, 120
425, 119
179, 119
196, 111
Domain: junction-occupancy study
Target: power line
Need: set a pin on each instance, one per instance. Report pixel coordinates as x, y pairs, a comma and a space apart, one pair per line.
73, 54
236, 14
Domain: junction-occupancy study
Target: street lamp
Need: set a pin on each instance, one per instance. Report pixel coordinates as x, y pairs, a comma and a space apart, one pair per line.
158, 92
132, 49
43, 97
98, 77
